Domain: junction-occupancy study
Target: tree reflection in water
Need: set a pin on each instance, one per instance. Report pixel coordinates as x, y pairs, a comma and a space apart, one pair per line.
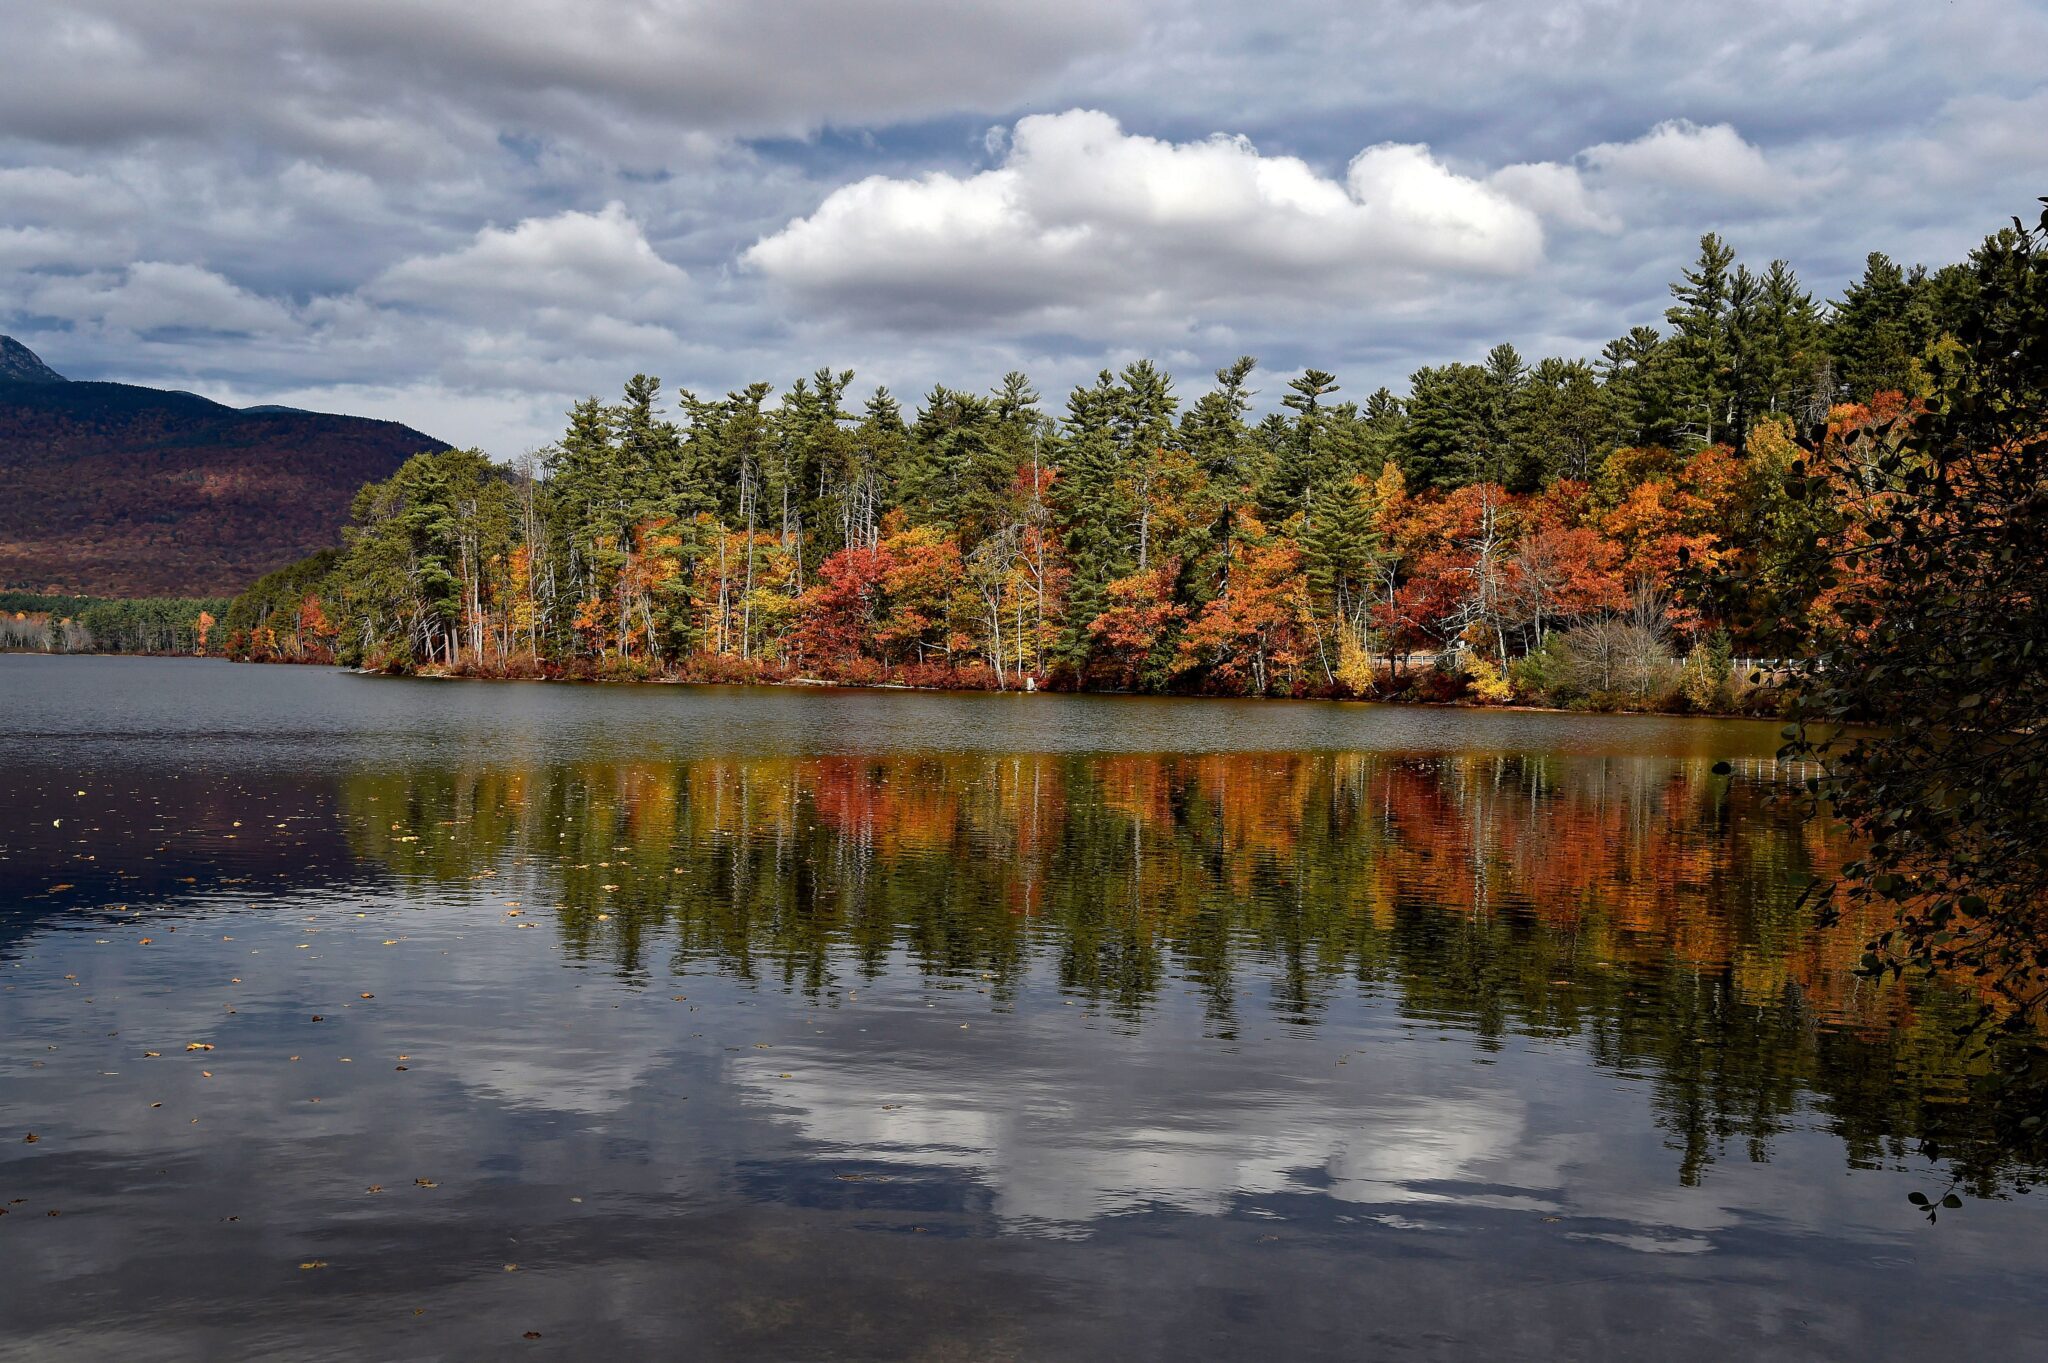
1644, 906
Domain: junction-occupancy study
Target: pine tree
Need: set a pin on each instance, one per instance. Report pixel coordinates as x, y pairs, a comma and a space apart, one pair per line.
1567, 424
1445, 440
1698, 371
1303, 457
1872, 331
1634, 370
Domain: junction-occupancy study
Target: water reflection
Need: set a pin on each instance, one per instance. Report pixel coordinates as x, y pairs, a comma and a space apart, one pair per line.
966, 1053
1646, 908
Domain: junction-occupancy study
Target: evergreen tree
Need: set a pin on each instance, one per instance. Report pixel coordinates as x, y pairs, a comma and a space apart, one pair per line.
1087, 499
1796, 377
1698, 371
1874, 332
1567, 422
1446, 440
1504, 455
1634, 371
1304, 458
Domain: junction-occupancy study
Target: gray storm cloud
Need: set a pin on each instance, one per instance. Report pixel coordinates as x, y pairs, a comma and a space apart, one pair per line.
466, 218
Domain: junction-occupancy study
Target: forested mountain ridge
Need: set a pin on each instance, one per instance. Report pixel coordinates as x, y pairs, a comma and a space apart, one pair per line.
120, 491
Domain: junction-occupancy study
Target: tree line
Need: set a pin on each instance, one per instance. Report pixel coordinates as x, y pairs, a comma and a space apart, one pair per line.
1606, 532
36, 623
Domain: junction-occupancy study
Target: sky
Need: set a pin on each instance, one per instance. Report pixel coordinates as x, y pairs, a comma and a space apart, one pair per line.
466, 216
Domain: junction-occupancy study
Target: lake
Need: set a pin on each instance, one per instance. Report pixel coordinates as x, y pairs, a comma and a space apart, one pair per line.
363, 1018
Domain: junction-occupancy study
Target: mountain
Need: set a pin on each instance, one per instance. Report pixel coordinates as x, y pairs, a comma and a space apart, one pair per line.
107, 489
19, 363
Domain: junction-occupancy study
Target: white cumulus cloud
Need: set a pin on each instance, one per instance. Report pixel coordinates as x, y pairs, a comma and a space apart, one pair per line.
597, 263
1083, 218
1683, 155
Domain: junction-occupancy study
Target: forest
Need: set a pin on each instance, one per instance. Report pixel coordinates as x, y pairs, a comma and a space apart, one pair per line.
34, 623
1621, 532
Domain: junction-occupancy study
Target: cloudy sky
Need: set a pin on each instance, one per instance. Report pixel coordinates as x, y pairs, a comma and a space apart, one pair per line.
464, 216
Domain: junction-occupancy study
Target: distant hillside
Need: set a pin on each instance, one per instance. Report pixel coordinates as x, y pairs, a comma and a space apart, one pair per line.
19, 363
112, 490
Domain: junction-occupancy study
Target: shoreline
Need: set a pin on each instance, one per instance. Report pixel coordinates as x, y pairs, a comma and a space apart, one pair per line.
830, 683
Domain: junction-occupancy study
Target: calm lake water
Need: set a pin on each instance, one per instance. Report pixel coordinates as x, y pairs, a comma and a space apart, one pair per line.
703, 1023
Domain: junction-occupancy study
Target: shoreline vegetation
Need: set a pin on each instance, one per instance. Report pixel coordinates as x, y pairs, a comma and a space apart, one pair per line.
1570, 534
1766, 702
163, 626
1609, 535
